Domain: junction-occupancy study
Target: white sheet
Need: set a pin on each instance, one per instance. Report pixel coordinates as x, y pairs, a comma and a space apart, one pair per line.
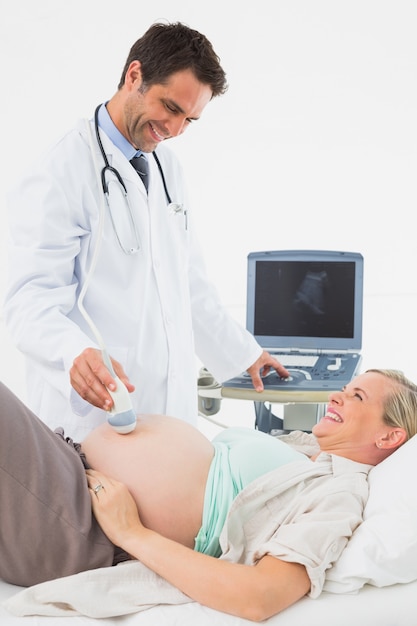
389, 606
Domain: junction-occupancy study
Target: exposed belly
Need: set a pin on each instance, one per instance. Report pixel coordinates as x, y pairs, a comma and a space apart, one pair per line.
164, 463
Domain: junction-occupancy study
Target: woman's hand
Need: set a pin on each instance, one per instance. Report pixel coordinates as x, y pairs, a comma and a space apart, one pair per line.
114, 508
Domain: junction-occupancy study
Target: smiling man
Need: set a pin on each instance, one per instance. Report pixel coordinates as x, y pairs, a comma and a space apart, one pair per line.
149, 296
148, 115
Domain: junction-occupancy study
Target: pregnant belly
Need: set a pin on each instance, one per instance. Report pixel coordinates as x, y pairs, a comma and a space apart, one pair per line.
165, 464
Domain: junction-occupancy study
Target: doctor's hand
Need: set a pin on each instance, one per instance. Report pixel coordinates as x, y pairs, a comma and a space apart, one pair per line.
262, 366
90, 378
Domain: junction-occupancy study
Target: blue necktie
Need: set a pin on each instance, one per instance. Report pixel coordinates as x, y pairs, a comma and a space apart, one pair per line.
141, 165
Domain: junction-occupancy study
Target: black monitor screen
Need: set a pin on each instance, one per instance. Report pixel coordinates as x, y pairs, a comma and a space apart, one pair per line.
310, 299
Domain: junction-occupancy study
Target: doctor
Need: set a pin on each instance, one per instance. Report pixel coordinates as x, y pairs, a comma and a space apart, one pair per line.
149, 295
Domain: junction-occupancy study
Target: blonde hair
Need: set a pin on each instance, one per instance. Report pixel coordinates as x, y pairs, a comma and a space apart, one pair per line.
400, 406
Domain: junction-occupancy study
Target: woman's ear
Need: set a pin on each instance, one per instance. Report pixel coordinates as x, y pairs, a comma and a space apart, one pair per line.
393, 439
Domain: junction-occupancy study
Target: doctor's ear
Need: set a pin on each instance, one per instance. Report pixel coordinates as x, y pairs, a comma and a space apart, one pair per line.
133, 78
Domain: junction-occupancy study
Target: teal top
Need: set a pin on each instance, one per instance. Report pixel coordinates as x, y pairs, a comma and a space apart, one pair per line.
240, 456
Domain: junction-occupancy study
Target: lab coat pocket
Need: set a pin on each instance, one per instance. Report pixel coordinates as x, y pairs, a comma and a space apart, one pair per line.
178, 222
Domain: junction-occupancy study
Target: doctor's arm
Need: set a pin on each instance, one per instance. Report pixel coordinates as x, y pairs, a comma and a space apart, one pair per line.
251, 592
51, 217
47, 226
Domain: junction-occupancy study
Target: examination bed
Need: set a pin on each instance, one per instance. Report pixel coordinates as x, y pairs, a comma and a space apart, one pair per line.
374, 582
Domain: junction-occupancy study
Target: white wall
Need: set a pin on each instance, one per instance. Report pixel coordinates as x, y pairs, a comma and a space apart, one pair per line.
322, 97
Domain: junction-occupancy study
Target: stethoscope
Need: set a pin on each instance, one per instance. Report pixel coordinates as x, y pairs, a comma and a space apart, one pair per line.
122, 416
113, 185
134, 245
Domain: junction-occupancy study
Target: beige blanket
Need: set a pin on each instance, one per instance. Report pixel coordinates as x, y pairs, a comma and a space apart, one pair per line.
107, 592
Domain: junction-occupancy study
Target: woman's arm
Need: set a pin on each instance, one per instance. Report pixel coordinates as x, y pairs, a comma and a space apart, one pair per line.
252, 592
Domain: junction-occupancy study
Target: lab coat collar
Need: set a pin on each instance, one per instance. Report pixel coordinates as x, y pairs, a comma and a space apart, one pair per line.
107, 125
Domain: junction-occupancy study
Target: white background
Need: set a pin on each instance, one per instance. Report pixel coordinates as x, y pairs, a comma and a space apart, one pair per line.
322, 101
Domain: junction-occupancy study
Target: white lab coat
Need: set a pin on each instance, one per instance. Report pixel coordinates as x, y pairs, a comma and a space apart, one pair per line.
155, 309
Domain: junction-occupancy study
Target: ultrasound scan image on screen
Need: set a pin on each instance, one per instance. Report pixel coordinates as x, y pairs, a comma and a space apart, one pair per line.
305, 299
298, 298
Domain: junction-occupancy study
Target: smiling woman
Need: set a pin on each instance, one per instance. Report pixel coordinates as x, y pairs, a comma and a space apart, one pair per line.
168, 497
357, 424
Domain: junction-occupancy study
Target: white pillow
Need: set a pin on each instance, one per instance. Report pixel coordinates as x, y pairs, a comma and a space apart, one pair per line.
383, 549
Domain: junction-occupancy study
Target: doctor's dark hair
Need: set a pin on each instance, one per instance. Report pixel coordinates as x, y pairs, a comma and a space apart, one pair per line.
168, 48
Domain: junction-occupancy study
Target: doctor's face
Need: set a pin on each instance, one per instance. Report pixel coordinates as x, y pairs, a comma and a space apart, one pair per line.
154, 114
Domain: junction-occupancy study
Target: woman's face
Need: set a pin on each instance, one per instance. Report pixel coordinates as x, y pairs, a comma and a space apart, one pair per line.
353, 426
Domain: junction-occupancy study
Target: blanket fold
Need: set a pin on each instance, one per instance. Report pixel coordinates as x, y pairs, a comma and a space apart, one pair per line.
107, 592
